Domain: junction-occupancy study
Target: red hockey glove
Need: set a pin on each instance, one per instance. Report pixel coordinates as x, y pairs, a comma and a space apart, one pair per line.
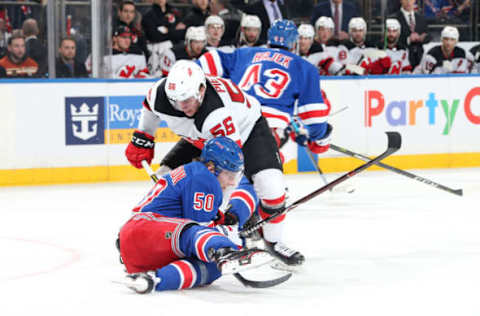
227, 218
140, 148
321, 145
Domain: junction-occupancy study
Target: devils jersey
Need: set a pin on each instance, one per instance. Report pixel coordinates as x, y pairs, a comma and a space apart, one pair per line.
323, 60
474, 59
399, 58
435, 61
338, 50
169, 57
190, 191
123, 65
225, 111
279, 79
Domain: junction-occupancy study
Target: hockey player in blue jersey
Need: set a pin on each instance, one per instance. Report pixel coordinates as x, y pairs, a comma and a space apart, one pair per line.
164, 246
286, 85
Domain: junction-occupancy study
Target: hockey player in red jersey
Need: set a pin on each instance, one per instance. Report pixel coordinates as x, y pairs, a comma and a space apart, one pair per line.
163, 246
199, 108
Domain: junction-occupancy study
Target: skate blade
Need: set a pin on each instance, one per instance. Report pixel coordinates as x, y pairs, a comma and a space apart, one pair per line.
280, 266
253, 261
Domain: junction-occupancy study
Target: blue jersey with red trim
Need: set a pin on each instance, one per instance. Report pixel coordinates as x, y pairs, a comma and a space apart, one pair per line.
278, 78
190, 191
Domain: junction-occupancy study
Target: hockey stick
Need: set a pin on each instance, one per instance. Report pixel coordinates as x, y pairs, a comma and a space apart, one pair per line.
458, 192
394, 143
245, 282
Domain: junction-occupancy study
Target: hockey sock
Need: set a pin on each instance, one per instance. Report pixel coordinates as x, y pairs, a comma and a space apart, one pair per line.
186, 273
197, 240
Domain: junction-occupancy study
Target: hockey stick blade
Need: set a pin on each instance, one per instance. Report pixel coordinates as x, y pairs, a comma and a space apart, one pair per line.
410, 175
394, 144
262, 284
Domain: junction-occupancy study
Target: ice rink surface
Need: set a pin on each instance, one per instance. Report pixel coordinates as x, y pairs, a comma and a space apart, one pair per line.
393, 247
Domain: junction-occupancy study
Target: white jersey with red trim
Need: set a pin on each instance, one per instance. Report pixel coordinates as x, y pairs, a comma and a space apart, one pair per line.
435, 61
279, 79
123, 65
400, 62
225, 111
325, 63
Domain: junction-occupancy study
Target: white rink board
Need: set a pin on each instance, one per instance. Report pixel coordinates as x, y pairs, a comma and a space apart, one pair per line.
35, 118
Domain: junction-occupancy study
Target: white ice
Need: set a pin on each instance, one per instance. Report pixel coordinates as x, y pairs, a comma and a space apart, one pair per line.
394, 247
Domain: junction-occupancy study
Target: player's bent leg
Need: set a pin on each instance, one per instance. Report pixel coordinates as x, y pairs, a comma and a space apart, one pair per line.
270, 188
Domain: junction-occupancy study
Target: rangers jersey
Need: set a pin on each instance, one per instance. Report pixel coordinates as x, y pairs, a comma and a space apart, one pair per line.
279, 79
435, 61
190, 191
225, 111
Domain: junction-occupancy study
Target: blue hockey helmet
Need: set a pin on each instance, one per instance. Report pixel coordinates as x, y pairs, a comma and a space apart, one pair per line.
282, 33
224, 153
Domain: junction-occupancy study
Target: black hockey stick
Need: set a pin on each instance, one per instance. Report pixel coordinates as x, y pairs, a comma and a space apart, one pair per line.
398, 171
394, 143
245, 282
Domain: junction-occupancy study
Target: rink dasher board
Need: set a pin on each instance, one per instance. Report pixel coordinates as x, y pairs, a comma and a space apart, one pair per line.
68, 131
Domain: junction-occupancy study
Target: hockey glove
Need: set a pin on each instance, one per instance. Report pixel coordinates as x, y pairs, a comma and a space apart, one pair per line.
299, 131
227, 218
140, 148
321, 145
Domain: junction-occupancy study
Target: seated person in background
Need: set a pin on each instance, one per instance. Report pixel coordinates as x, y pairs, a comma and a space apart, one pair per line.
16, 63
475, 54
436, 9
395, 50
215, 28
249, 32
34, 47
193, 47
230, 15
445, 58
159, 23
66, 65
125, 62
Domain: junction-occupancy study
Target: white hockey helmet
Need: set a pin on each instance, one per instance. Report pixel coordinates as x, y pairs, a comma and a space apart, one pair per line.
251, 21
195, 33
214, 20
450, 32
184, 81
324, 21
393, 24
357, 24
306, 30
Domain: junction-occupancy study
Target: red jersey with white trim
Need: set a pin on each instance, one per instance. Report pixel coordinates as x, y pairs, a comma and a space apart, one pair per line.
279, 79
225, 111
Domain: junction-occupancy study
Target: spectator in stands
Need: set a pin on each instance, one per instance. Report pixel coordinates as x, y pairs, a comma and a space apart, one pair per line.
160, 23
267, 11
16, 63
341, 12
215, 28
126, 17
197, 15
66, 65
4, 35
230, 15
461, 10
436, 9
445, 58
193, 47
414, 31
249, 33
35, 49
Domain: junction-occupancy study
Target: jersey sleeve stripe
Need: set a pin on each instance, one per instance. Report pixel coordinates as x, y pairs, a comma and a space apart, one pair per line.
200, 244
246, 198
211, 64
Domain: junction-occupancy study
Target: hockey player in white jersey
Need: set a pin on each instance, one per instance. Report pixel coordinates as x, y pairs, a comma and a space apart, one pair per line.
396, 51
249, 31
200, 108
192, 48
215, 28
445, 58
475, 59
